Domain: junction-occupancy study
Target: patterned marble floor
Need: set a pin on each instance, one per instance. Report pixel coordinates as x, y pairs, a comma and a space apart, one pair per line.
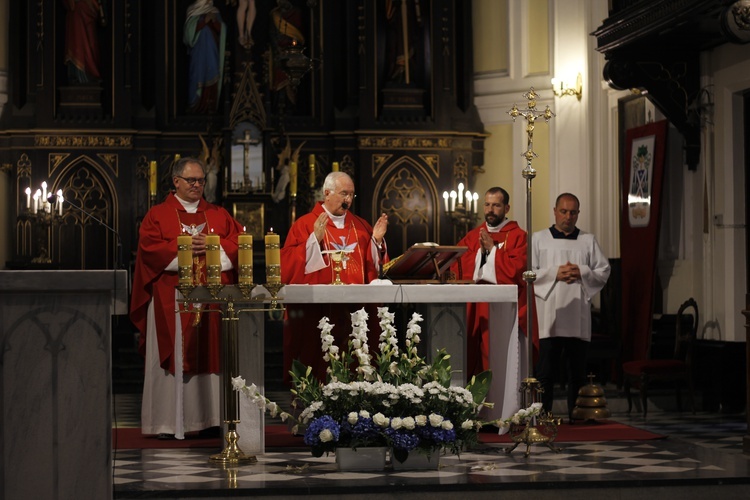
701, 454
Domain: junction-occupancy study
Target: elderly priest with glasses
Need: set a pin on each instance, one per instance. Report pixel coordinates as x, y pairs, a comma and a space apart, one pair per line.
181, 387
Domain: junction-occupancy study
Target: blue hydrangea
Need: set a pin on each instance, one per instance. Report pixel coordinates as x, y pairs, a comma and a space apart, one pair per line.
312, 434
437, 435
403, 440
363, 430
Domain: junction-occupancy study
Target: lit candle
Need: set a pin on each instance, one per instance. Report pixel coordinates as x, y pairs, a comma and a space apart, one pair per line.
213, 259
44, 190
311, 161
152, 178
335, 167
59, 202
185, 258
445, 199
273, 258
460, 193
476, 202
37, 202
245, 257
293, 178
468, 200
453, 201
28, 198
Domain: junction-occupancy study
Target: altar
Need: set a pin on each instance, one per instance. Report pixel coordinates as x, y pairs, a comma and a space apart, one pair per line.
443, 309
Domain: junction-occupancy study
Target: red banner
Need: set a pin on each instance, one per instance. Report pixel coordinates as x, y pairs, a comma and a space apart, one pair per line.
643, 173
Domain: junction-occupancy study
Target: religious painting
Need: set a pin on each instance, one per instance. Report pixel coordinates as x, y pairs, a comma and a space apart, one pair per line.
251, 215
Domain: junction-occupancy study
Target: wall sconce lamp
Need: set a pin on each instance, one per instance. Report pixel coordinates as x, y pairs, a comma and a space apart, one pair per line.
562, 88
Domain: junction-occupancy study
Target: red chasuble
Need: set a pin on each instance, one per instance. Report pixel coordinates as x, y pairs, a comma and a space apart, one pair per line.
510, 264
157, 248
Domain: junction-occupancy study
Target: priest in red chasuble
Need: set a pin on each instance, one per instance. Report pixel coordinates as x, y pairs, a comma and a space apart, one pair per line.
497, 254
306, 258
181, 388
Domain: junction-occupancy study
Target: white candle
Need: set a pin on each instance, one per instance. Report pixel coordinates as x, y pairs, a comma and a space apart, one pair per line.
44, 190
453, 201
36, 202
59, 201
28, 198
476, 202
445, 199
460, 192
468, 200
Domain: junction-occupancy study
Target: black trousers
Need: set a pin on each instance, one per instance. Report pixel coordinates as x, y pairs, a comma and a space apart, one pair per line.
551, 350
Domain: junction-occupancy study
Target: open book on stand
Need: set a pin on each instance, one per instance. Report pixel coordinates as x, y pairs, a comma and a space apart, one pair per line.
424, 263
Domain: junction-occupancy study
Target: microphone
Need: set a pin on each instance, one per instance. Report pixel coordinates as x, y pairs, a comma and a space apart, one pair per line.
345, 206
52, 198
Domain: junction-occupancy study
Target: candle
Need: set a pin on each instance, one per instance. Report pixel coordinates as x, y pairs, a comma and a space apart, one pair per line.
445, 199
185, 258
460, 192
213, 259
468, 200
59, 202
245, 257
475, 196
44, 190
28, 198
293, 178
453, 201
311, 161
273, 257
152, 178
335, 167
37, 195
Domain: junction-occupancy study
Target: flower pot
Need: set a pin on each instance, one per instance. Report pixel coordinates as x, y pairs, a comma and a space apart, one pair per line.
360, 459
417, 461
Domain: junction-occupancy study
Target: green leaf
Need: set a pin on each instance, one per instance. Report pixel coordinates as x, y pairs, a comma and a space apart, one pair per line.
480, 386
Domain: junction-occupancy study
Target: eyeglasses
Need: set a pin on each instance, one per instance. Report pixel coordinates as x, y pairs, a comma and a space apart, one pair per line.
347, 194
193, 180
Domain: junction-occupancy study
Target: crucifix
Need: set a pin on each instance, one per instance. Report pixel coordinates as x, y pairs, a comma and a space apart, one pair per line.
246, 142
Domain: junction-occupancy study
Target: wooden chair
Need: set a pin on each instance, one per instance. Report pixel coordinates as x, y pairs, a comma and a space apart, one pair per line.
676, 371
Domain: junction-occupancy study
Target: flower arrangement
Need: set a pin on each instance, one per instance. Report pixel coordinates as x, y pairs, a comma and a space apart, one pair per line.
395, 399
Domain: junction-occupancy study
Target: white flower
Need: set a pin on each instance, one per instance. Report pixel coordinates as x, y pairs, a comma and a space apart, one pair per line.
364, 413
352, 418
238, 383
396, 423
446, 425
435, 419
408, 423
325, 436
467, 424
421, 420
381, 420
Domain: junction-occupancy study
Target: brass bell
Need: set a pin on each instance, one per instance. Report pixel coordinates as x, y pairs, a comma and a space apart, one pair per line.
591, 403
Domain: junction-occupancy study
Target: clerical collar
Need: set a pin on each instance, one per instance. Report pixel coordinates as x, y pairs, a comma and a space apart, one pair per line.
559, 235
338, 220
190, 206
496, 229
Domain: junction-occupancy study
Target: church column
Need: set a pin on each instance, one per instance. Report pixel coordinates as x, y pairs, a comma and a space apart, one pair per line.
5, 180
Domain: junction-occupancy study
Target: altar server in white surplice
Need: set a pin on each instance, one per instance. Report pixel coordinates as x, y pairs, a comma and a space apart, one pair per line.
570, 269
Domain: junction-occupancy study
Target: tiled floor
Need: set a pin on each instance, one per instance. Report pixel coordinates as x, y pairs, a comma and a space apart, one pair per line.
701, 456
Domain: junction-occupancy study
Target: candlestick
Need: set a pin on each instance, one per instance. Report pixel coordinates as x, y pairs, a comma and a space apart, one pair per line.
453, 201
445, 199
152, 178
213, 259
185, 259
273, 258
245, 257
28, 198
311, 161
293, 178
335, 167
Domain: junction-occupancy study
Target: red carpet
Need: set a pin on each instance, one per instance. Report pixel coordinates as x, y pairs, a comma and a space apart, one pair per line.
278, 436
603, 430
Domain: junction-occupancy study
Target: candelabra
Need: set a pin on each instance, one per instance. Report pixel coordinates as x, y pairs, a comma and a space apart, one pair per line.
42, 215
462, 207
543, 428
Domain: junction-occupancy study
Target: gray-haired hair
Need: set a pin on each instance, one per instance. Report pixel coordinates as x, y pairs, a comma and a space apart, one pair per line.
180, 165
329, 184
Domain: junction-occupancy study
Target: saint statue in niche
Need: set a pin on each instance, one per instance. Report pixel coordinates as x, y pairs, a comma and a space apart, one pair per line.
205, 37
82, 20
